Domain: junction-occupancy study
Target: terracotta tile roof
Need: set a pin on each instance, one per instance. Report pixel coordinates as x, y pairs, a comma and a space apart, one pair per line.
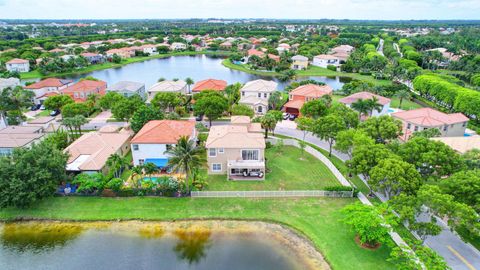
295, 104
89, 54
312, 90
210, 84
234, 136
17, 61
364, 95
164, 131
274, 57
255, 52
50, 82
429, 117
86, 86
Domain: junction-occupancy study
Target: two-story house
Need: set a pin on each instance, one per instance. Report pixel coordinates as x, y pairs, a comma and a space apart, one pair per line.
84, 88
255, 94
237, 150
449, 125
93, 58
385, 102
128, 89
151, 143
299, 62
325, 60
298, 96
18, 65
209, 84
48, 87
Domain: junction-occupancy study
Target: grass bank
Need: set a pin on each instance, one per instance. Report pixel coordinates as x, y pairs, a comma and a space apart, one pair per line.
319, 219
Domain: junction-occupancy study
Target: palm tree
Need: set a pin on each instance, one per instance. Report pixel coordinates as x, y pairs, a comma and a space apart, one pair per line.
268, 122
373, 105
189, 82
150, 169
117, 163
185, 157
137, 170
402, 94
361, 106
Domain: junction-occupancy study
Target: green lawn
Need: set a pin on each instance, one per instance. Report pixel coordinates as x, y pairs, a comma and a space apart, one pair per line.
44, 113
288, 171
406, 104
317, 218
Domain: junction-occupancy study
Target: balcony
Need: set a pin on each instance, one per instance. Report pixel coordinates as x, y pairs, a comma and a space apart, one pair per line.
246, 164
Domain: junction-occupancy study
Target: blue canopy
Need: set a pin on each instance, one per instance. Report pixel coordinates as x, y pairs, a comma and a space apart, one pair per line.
159, 162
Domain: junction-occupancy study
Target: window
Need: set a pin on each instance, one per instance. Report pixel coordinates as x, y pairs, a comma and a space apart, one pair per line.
464, 124
445, 128
141, 161
416, 128
260, 109
265, 95
221, 150
135, 147
216, 167
259, 94
212, 152
168, 146
250, 154
243, 93
409, 125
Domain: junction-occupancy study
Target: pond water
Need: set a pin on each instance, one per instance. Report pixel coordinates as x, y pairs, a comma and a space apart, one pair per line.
197, 67
99, 246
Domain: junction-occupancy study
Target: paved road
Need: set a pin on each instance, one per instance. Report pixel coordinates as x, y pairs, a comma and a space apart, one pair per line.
380, 47
395, 45
458, 254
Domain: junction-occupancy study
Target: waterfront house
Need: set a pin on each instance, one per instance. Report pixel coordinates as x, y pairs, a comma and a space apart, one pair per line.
149, 49
304, 93
9, 82
237, 150
93, 58
48, 87
167, 86
449, 125
255, 94
156, 137
385, 102
209, 84
176, 46
82, 89
90, 152
128, 88
18, 65
300, 62
325, 60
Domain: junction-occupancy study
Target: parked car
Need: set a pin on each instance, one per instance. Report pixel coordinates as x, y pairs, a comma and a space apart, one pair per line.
35, 107
292, 117
42, 107
54, 112
286, 116
199, 118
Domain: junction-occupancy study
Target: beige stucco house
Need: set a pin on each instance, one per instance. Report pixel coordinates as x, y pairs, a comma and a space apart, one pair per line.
237, 150
255, 94
300, 62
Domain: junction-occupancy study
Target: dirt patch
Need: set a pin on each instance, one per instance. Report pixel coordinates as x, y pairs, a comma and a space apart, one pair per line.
365, 245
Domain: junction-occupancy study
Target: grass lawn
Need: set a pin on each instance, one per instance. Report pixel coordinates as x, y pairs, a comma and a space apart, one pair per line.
288, 171
406, 104
44, 113
317, 218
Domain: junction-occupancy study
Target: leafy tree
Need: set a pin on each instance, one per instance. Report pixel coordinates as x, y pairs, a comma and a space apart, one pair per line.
57, 102
315, 108
464, 186
116, 165
383, 128
276, 100
116, 59
185, 157
211, 104
89, 183
348, 139
111, 98
114, 184
73, 109
349, 116
327, 128
59, 139
304, 124
417, 257
392, 176
143, 115
12, 101
30, 175
427, 133
242, 109
125, 109
166, 101
361, 106
472, 159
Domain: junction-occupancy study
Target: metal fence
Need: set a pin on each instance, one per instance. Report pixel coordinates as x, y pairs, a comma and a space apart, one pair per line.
271, 194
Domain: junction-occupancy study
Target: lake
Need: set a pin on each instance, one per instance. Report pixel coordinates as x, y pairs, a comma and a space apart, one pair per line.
139, 245
197, 67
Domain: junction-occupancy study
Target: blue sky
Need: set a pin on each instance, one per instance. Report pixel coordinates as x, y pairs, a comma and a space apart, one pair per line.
288, 9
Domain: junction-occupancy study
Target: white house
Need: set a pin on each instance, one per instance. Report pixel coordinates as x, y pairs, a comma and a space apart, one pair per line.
256, 94
149, 49
9, 82
156, 137
385, 102
18, 65
324, 60
178, 46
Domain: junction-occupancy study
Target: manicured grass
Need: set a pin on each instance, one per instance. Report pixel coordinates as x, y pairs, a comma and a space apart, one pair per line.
406, 104
44, 113
288, 170
317, 218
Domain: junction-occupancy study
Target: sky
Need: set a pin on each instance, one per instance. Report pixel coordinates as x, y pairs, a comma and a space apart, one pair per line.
281, 9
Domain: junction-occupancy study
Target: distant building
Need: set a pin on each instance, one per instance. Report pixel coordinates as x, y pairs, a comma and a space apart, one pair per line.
255, 94
128, 89
48, 87
18, 65
385, 102
300, 62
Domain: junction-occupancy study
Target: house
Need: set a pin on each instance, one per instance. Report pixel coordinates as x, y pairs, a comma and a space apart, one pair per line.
47, 123
166, 86
123, 53
209, 84
325, 60
385, 102
298, 96
9, 82
93, 58
156, 137
461, 144
449, 125
90, 152
283, 48
48, 87
342, 52
237, 150
12, 137
255, 52
149, 49
18, 65
226, 45
255, 94
128, 88
82, 89
300, 62
176, 46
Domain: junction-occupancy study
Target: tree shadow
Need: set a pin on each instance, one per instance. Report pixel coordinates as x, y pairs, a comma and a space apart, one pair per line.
192, 244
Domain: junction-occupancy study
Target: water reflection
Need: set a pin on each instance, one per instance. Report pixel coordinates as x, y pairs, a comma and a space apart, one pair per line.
192, 244
38, 237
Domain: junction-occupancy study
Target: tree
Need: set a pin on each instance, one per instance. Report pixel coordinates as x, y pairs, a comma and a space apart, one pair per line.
116, 164
349, 116
12, 101
57, 102
315, 108
75, 124
59, 139
149, 169
233, 94
276, 100
189, 82
369, 222
211, 104
137, 171
417, 257
392, 176
241, 109
401, 95
304, 124
125, 109
185, 157
464, 186
30, 175
383, 128
116, 59
373, 105
166, 101
111, 98
427, 133
472, 159
361, 106
268, 122
327, 128
348, 139
73, 109
143, 115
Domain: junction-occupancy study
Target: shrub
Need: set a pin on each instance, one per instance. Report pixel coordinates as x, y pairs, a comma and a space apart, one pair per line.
114, 184
332, 67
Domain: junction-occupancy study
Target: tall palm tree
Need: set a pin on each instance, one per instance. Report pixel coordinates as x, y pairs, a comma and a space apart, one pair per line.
362, 107
136, 171
150, 169
402, 94
185, 157
374, 105
117, 164
189, 82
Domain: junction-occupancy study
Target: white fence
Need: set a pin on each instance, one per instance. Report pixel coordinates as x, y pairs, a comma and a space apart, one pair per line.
271, 194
